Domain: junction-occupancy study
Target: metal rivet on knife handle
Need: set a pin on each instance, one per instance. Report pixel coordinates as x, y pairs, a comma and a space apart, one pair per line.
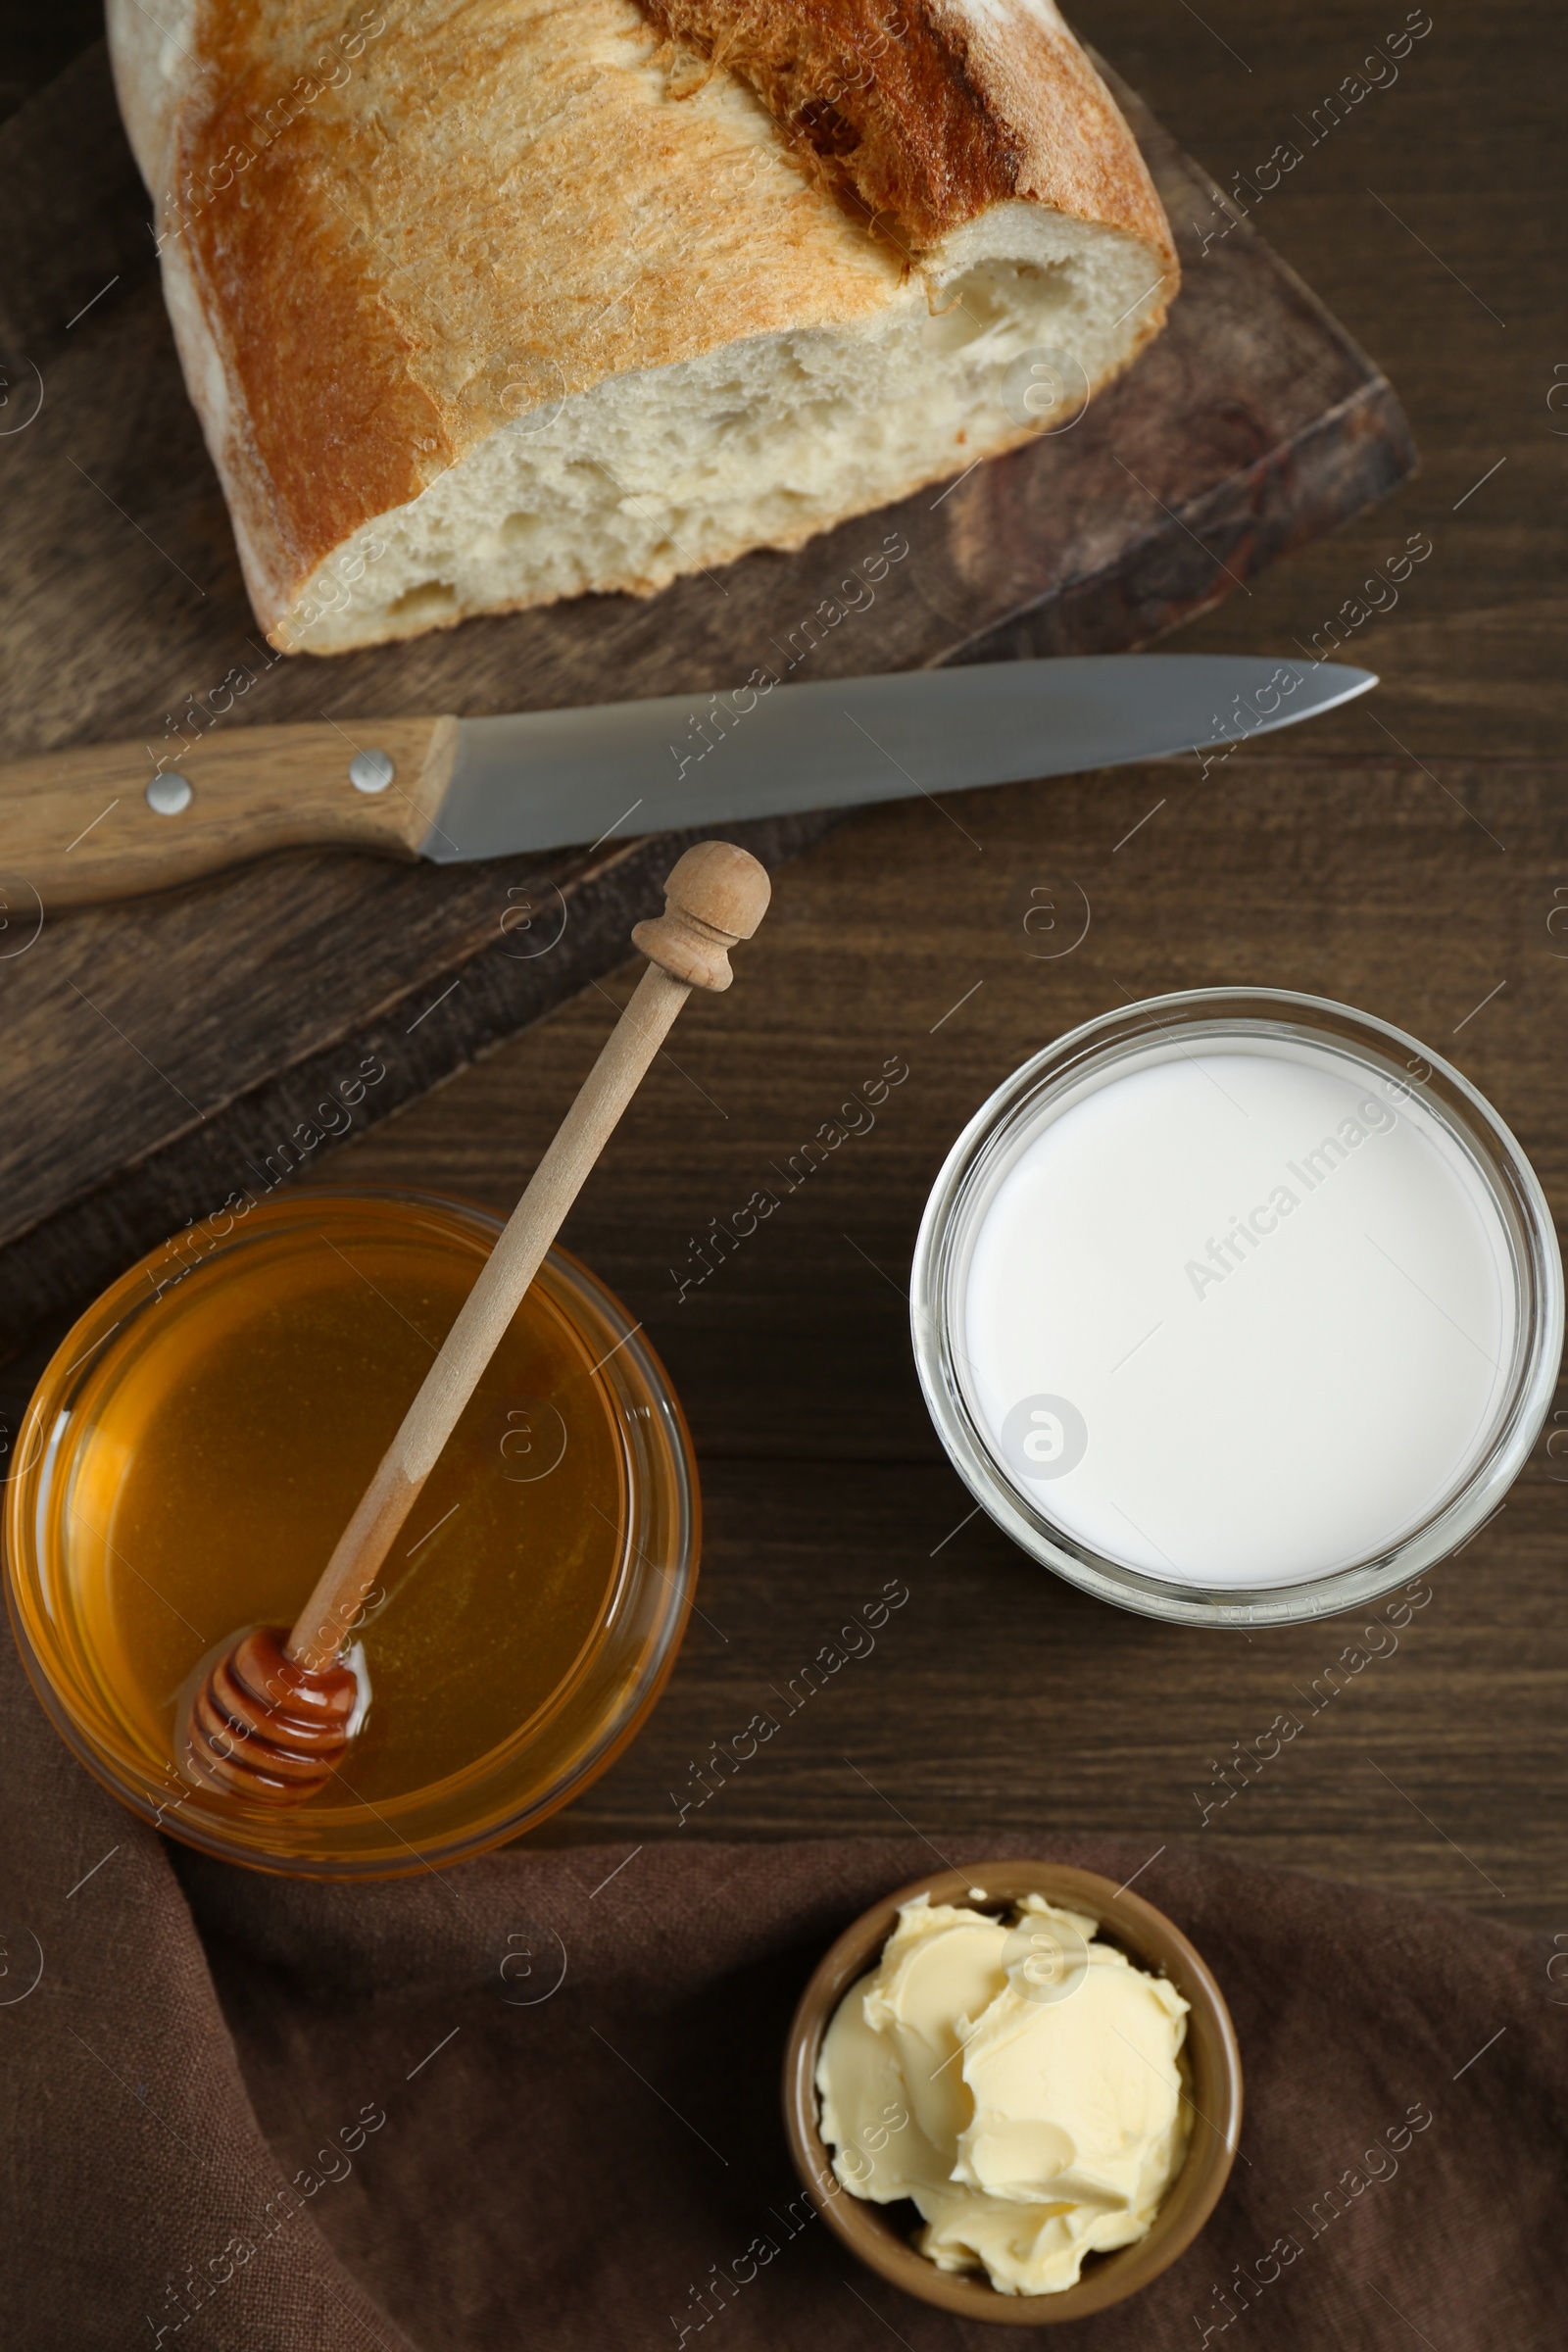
372, 771
168, 795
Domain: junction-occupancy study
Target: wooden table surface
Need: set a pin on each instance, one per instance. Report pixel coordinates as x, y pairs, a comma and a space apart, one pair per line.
1406, 857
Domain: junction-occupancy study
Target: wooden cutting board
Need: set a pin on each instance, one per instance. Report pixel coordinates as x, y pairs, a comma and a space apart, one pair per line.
162, 1054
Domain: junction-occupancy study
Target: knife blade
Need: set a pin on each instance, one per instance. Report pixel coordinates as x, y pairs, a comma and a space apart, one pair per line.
560, 777
104, 821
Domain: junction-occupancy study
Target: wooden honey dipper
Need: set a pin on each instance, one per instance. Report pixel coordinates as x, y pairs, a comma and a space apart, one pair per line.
271, 1719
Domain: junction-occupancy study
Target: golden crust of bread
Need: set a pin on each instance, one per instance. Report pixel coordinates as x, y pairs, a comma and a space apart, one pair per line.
926, 112
386, 227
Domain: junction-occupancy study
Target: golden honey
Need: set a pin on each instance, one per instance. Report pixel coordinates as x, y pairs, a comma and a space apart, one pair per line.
199, 1444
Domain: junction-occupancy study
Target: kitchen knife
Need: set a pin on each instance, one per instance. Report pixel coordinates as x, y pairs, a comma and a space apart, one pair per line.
111, 821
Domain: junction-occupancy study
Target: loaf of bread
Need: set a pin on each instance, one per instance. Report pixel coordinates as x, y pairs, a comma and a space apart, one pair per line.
488, 302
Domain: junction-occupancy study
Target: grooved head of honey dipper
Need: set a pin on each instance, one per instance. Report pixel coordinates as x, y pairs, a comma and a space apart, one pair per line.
266, 1728
713, 895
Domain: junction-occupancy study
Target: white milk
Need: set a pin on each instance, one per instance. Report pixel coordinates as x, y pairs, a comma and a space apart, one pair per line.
1239, 1317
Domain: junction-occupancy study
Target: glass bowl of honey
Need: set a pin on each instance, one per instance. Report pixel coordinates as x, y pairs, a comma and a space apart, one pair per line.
197, 1445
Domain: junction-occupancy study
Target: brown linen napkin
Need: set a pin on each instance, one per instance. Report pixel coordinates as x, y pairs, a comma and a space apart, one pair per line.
534, 2102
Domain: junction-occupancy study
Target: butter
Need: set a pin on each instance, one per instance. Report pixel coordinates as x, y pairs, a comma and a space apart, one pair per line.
1018, 2082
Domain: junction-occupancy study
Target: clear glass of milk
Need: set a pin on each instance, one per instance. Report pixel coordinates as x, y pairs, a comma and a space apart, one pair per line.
1238, 1307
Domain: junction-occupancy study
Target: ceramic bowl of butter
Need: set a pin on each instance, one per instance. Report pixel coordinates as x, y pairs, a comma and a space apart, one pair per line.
1013, 2092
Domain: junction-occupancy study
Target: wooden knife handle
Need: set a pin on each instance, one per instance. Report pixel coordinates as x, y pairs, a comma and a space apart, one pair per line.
103, 822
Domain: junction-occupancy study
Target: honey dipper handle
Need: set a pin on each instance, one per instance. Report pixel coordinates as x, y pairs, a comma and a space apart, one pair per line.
715, 895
